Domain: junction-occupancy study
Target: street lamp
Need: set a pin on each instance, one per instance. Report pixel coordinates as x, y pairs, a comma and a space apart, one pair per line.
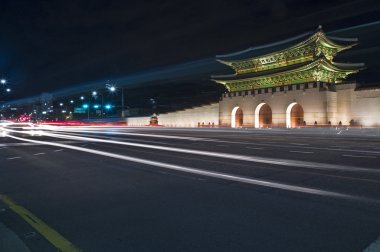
8, 90
112, 89
3, 81
86, 106
95, 95
82, 98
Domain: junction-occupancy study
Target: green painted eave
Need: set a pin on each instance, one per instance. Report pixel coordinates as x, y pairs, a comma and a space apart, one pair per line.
320, 69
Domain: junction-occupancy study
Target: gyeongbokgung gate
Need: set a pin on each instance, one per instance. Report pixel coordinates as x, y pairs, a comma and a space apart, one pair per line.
290, 83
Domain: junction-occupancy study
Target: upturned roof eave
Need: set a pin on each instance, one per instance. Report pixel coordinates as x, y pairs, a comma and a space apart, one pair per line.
309, 38
320, 61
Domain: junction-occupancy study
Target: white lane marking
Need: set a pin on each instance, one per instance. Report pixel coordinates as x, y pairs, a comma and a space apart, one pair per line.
358, 156
212, 174
374, 246
221, 145
41, 153
254, 148
299, 144
209, 139
58, 150
13, 158
348, 150
339, 132
304, 152
29, 144
2, 148
256, 159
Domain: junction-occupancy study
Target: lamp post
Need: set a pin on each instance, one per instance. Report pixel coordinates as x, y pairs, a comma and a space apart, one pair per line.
86, 106
112, 89
95, 95
122, 103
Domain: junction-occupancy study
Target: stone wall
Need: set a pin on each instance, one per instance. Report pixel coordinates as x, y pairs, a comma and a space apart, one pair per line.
321, 104
203, 116
366, 107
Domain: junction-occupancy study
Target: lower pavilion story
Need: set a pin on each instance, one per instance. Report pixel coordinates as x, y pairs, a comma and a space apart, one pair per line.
290, 106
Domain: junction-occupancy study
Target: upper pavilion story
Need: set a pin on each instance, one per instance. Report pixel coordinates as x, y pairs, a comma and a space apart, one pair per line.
304, 58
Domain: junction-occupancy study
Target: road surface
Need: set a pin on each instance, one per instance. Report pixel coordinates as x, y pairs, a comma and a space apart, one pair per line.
168, 189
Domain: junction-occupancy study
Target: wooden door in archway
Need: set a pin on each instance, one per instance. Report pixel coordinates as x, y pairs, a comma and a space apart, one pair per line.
265, 116
239, 118
296, 116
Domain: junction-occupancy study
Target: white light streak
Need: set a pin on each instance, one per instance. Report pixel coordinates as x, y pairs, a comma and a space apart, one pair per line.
272, 161
212, 174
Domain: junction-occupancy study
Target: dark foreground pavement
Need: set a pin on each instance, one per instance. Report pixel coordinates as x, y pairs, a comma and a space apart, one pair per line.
302, 190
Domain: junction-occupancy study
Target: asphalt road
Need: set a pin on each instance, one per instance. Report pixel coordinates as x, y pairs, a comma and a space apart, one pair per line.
160, 189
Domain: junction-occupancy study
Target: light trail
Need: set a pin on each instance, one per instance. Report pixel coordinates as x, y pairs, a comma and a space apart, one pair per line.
96, 131
92, 129
281, 162
217, 175
255, 159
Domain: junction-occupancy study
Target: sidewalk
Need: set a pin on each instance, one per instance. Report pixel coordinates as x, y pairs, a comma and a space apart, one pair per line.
10, 242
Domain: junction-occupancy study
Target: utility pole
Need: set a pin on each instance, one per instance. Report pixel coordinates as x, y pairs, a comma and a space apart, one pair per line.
102, 105
122, 103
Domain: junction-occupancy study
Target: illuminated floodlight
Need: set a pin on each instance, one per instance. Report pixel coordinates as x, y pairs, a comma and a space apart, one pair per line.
3, 81
85, 106
8, 90
71, 101
94, 93
44, 112
96, 106
82, 98
61, 104
108, 106
63, 111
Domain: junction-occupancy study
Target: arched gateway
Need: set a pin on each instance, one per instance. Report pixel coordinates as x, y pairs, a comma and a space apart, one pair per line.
294, 115
296, 68
236, 117
263, 116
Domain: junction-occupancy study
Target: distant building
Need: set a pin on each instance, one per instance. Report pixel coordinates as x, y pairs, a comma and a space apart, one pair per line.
291, 83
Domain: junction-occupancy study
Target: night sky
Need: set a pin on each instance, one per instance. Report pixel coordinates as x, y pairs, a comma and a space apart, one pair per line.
51, 45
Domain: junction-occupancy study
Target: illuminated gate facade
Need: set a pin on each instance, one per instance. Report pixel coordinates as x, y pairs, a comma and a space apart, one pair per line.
290, 83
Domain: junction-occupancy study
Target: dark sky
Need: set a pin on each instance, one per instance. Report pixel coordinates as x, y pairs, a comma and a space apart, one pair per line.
49, 45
